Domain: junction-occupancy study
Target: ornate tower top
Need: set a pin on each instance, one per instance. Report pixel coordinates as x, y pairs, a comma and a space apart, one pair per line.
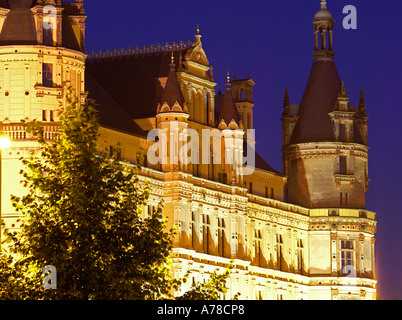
229, 114
172, 99
323, 29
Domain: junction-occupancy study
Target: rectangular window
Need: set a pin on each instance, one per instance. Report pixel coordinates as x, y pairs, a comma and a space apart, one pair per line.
44, 115
279, 253
221, 237
344, 199
347, 264
272, 193
257, 247
300, 256
266, 192
51, 115
343, 165
206, 233
251, 188
193, 231
47, 73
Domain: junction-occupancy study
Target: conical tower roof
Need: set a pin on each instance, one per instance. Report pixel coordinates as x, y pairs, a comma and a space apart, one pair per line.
172, 93
228, 110
320, 95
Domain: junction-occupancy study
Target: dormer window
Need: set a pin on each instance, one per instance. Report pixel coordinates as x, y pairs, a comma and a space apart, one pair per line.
48, 37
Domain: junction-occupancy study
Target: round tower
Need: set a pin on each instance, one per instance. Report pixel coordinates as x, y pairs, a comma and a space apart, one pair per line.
42, 53
325, 157
325, 152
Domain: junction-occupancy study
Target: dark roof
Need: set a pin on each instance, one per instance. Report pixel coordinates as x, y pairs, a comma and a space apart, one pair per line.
111, 115
172, 92
314, 123
228, 109
4, 4
132, 80
260, 163
127, 87
19, 26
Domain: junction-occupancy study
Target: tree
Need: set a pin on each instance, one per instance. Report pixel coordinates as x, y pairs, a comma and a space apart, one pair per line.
83, 215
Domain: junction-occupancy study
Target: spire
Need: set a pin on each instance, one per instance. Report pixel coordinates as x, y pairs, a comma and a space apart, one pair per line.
362, 104
197, 36
342, 92
286, 102
323, 87
229, 112
211, 73
172, 96
342, 102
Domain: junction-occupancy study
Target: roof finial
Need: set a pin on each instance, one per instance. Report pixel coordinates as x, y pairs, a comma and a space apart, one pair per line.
343, 91
323, 4
227, 77
362, 104
197, 37
172, 64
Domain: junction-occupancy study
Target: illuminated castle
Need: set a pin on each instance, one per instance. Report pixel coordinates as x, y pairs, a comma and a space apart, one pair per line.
300, 234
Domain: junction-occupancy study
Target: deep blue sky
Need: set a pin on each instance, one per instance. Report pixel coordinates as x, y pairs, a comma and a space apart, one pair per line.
273, 41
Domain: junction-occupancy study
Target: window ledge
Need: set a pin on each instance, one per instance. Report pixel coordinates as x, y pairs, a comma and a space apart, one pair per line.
344, 178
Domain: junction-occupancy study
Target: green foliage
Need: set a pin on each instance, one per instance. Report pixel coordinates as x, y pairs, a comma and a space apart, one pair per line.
83, 215
210, 290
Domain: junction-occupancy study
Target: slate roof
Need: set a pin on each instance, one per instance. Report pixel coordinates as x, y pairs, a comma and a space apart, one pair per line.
110, 114
19, 27
132, 80
172, 92
228, 109
314, 123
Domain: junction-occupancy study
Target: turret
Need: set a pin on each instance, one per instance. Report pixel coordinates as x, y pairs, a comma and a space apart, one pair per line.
171, 118
325, 155
242, 90
42, 51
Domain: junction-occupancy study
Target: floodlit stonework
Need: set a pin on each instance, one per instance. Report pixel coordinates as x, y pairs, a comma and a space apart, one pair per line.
301, 234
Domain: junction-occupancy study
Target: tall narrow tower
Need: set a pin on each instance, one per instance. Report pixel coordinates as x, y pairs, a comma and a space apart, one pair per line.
325, 157
324, 154
242, 90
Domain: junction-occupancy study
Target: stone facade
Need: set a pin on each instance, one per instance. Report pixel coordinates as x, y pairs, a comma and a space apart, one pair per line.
289, 234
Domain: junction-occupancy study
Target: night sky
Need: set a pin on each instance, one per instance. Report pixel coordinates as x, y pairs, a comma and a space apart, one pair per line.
273, 41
